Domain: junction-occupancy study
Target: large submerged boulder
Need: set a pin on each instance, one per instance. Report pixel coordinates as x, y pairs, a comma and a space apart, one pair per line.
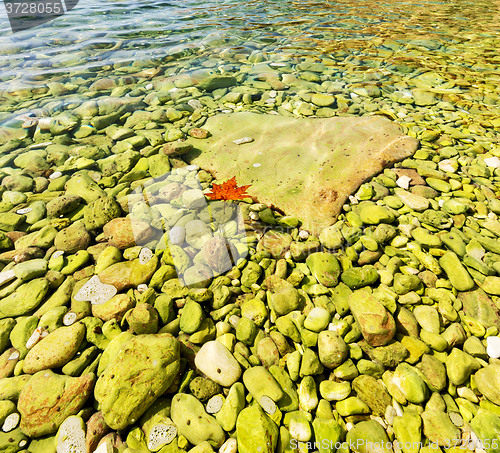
307, 167
136, 377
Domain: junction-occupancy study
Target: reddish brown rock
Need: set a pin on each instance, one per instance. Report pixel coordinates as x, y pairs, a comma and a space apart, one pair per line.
96, 430
48, 399
123, 232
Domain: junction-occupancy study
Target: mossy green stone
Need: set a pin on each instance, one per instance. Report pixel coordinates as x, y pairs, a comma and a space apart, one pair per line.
25, 299
358, 277
438, 428
231, 408
256, 431
193, 422
408, 431
141, 371
325, 267
460, 365
488, 382
486, 425
372, 393
373, 214
369, 436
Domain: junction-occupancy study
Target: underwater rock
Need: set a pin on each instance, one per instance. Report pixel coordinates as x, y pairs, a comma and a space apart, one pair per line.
341, 153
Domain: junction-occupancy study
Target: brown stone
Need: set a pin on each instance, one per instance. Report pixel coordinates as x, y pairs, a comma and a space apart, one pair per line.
123, 232
416, 179
48, 399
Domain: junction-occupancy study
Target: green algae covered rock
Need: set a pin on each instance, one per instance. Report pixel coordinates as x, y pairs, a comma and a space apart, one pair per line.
357, 277
100, 212
377, 324
26, 299
48, 399
488, 382
55, 350
193, 422
279, 179
369, 436
438, 427
232, 406
255, 431
284, 298
325, 267
72, 239
372, 393
141, 372
13, 441
408, 431
486, 426
85, 187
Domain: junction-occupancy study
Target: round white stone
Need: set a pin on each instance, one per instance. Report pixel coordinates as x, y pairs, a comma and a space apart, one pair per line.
493, 347
216, 361
303, 234
177, 235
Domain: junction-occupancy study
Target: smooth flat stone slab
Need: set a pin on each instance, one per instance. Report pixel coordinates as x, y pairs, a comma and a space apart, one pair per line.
307, 167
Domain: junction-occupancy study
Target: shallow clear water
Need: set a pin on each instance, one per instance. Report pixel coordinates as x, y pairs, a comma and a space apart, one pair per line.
449, 36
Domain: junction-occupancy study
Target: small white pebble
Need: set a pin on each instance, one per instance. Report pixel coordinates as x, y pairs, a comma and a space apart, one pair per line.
39, 145
55, 175
493, 347
243, 140
349, 426
34, 338
288, 255
403, 181
441, 202
14, 356
192, 167
69, 318
353, 199
397, 407
194, 103
142, 287
149, 86
235, 282
229, 446
303, 234
145, 255
177, 235
445, 165
11, 422
6, 276
493, 162
492, 216
256, 165
24, 210
104, 448
254, 215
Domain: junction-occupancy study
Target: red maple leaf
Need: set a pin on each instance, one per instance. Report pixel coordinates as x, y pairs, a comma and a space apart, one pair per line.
228, 191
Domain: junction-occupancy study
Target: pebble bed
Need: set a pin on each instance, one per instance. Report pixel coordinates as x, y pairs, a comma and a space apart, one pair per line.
380, 334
